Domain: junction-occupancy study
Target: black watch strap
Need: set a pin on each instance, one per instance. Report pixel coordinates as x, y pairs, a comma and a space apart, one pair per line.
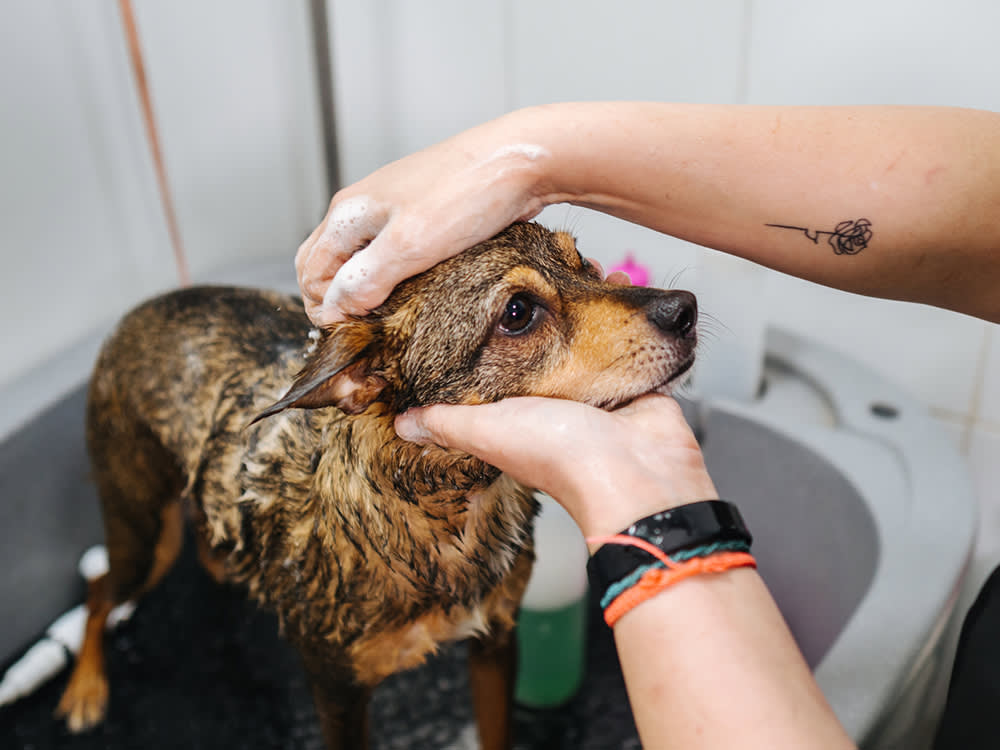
689, 526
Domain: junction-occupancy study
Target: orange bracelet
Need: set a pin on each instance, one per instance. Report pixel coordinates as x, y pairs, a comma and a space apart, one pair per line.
656, 580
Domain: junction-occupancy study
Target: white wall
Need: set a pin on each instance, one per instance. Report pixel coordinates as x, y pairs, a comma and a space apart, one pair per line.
83, 234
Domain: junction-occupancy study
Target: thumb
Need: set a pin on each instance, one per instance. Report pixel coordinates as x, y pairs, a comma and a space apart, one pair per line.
472, 429
412, 425
517, 435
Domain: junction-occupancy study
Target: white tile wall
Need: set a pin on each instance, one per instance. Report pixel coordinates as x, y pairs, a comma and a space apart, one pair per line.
566, 50
234, 90
881, 52
411, 74
83, 231
448, 65
984, 447
79, 219
361, 70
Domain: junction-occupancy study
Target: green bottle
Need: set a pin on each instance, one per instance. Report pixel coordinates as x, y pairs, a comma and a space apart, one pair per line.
552, 626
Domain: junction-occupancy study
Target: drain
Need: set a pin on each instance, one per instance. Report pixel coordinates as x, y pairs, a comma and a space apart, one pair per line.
883, 410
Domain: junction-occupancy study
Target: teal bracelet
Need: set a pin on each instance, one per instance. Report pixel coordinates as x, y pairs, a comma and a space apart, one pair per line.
616, 589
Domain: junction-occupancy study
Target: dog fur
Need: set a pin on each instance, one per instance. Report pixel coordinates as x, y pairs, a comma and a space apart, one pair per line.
371, 550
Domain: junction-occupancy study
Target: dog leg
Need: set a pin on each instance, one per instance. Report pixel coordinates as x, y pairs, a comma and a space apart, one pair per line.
492, 669
84, 702
213, 562
342, 708
85, 699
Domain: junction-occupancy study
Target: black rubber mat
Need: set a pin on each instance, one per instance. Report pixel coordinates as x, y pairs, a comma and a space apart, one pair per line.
198, 666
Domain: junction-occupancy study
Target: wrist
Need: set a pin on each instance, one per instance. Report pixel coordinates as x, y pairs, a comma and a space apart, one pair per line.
606, 507
594, 161
553, 130
664, 549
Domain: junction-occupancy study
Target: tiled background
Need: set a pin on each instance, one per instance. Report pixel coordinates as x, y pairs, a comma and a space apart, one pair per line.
83, 233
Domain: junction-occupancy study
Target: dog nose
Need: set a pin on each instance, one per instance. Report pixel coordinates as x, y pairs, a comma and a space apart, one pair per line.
674, 313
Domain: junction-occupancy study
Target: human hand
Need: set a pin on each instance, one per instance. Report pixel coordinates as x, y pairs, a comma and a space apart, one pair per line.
608, 469
417, 211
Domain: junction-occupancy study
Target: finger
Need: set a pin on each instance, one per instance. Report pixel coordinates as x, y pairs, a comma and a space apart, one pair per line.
311, 285
620, 278
349, 226
466, 428
484, 430
361, 283
401, 250
615, 277
655, 413
305, 249
596, 264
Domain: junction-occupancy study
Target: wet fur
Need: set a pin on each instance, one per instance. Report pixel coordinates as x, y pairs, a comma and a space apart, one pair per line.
371, 550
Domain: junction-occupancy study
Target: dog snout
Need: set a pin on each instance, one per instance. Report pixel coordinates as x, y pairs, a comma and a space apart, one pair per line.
674, 313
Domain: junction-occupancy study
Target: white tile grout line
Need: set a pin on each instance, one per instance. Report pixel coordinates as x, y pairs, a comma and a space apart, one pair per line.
978, 388
965, 424
746, 44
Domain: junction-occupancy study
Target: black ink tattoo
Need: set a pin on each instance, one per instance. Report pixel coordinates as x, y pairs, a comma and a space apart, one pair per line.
847, 238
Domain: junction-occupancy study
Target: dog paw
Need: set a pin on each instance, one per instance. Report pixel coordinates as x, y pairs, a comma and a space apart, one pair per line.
84, 703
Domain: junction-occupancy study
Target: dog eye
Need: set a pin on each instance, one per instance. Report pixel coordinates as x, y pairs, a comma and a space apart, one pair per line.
518, 315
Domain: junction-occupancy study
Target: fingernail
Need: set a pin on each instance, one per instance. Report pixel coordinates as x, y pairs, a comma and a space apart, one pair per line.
410, 428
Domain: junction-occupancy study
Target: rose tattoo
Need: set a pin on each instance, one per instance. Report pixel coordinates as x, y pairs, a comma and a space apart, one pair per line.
847, 238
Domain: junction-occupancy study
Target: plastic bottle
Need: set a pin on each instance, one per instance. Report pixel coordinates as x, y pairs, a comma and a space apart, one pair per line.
552, 627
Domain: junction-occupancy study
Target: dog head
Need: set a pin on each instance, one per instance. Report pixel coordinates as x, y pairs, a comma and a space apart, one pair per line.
521, 314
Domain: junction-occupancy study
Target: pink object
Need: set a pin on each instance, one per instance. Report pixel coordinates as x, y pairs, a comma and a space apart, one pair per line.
637, 273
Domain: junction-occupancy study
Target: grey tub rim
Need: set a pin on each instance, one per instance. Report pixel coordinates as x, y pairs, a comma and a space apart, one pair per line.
925, 517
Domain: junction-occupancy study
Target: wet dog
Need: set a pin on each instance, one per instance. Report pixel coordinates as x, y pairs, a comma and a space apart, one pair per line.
371, 550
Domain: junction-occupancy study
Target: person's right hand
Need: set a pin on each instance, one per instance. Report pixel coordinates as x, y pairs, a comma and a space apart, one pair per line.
608, 469
417, 211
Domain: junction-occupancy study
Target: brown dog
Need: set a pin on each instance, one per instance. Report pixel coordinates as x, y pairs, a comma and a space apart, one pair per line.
371, 550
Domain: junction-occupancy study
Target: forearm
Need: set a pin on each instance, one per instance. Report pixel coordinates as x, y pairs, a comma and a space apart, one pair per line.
709, 663
928, 180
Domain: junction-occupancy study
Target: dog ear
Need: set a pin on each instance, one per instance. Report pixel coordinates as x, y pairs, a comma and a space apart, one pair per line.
339, 373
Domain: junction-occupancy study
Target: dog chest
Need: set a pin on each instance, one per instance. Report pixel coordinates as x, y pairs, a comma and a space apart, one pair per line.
391, 651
